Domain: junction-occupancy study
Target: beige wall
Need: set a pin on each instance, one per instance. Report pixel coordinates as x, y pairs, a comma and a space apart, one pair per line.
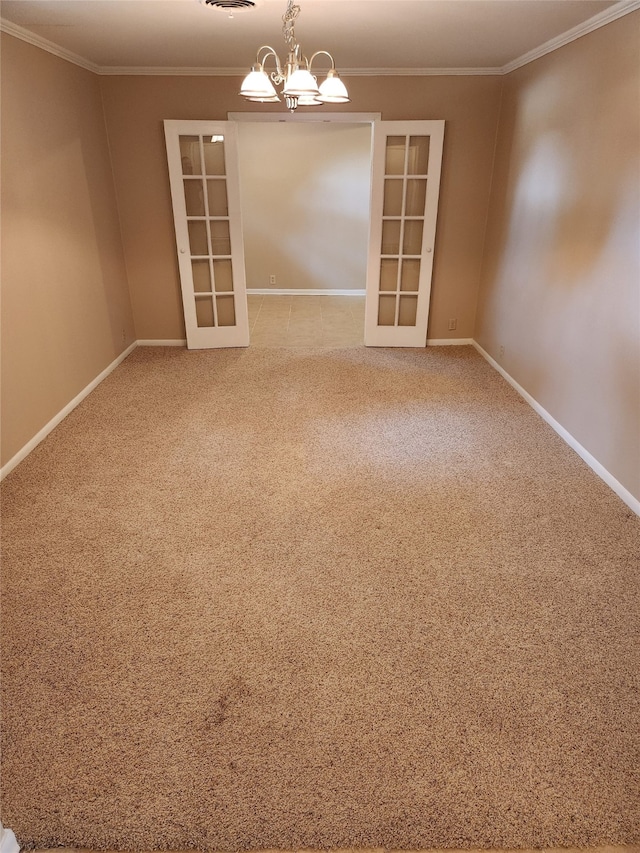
305, 203
66, 313
559, 287
136, 106
561, 282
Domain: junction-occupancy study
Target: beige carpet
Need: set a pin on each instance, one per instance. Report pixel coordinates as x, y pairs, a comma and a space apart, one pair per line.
294, 598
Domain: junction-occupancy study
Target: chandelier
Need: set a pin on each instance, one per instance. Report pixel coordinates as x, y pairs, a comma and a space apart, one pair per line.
299, 86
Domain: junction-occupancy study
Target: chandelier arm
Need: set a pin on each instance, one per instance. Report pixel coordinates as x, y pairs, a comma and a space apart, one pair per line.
325, 53
278, 75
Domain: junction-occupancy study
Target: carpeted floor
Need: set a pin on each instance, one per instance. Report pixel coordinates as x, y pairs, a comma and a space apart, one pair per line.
336, 598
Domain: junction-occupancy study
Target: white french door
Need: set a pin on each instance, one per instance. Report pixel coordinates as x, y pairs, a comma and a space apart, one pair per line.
406, 165
205, 192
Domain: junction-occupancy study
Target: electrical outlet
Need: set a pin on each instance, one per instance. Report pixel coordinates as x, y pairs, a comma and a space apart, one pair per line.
272, 279
501, 352
124, 336
453, 324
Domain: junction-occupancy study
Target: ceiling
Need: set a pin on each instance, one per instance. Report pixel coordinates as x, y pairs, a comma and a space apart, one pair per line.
391, 36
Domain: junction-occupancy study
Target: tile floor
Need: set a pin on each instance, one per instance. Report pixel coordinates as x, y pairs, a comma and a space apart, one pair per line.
303, 321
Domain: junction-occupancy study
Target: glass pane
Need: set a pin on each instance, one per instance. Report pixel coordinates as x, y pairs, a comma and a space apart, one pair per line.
201, 276
223, 277
190, 155
214, 155
408, 306
418, 155
390, 237
220, 238
198, 238
193, 198
389, 274
413, 237
387, 311
204, 313
416, 197
392, 197
394, 156
217, 192
410, 278
226, 311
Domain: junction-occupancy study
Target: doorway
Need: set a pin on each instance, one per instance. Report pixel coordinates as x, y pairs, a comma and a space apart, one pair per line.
305, 190
204, 175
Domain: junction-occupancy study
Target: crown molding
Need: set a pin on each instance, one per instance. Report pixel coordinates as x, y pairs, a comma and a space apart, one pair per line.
600, 20
622, 8
181, 71
419, 72
25, 35
133, 71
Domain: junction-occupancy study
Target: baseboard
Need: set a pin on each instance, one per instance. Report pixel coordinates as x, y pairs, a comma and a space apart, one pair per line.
624, 494
8, 842
162, 343
53, 423
280, 291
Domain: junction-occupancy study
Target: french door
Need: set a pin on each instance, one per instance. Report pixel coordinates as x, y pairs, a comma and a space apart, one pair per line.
407, 160
205, 192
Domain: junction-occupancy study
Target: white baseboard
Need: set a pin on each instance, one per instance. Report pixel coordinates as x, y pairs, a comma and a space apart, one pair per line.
449, 342
8, 842
53, 423
624, 494
162, 343
280, 291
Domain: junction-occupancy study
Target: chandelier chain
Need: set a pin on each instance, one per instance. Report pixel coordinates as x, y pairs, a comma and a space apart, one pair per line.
288, 25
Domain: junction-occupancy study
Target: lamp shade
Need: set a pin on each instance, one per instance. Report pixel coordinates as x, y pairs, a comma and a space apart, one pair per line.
333, 90
300, 83
309, 101
256, 86
272, 100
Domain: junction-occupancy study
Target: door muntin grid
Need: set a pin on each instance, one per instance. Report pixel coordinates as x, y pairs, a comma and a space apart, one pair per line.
204, 180
403, 219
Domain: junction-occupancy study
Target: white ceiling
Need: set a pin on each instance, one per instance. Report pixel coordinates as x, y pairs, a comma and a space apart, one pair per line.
116, 36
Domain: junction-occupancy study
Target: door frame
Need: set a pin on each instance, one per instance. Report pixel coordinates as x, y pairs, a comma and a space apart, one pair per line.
347, 118
369, 119
380, 335
372, 119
